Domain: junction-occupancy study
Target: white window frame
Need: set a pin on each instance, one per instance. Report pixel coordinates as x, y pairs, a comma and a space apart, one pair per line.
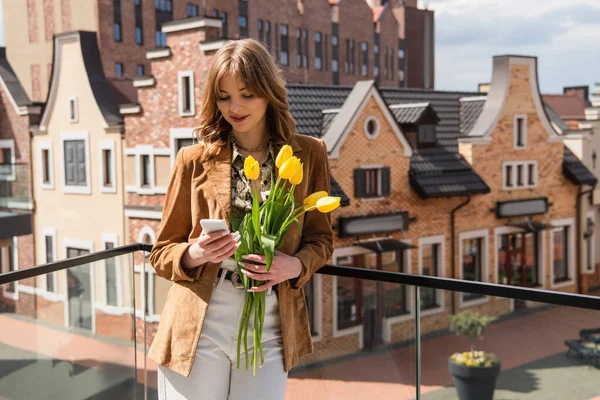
318, 304
462, 236
441, 241
559, 224
85, 136
174, 135
46, 145
107, 145
138, 151
73, 119
139, 268
51, 232
180, 76
82, 245
5, 254
524, 118
525, 165
377, 127
10, 144
104, 306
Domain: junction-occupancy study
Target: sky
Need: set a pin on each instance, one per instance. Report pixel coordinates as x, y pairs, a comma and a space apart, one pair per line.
563, 35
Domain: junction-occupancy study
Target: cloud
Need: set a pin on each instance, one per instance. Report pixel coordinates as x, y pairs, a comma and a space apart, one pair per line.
565, 36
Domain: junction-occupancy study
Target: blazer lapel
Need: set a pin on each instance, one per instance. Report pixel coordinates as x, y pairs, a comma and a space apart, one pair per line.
218, 170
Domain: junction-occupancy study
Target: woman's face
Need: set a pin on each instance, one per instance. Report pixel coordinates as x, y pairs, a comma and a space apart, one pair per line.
245, 112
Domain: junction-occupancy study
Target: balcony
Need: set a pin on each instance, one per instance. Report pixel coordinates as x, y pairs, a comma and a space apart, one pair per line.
15, 200
80, 329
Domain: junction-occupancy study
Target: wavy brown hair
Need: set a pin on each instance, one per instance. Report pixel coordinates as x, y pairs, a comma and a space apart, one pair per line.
252, 64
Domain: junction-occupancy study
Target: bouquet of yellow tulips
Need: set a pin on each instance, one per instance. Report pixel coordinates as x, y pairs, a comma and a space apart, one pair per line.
262, 232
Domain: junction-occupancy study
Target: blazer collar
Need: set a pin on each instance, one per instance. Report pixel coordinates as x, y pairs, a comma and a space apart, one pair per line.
218, 170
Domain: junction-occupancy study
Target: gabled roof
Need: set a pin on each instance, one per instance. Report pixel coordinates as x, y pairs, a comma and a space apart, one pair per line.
11, 84
101, 89
307, 102
442, 173
568, 106
575, 170
412, 113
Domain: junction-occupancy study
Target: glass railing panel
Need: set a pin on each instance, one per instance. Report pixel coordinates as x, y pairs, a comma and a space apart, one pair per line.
544, 351
15, 186
364, 341
70, 334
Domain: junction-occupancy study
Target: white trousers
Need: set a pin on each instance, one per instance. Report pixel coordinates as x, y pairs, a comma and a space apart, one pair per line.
214, 375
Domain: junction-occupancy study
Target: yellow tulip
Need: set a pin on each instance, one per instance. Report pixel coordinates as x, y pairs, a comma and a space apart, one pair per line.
328, 204
289, 167
296, 177
284, 154
251, 168
311, 200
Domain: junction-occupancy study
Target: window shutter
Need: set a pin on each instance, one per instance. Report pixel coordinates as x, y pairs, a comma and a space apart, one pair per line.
80, 163
385, 181
69, 162
359, 183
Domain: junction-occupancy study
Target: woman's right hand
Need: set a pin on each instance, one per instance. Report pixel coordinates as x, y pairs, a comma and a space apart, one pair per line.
211, 247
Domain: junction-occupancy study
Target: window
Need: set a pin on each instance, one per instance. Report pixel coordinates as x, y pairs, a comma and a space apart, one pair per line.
145, 171
427, 134
73, 110
472, 264
164, 5
520, 175
349, 302
161, 39
334, 40
318, 51
335, 66
430, 266
520, 132
386, 63
110, 269
400, 53
243, 18
352, 58
140, 70
107, 167
305, 53
8, 263
372, 127
299, 47
192, 10
261, 32
49, 241
588, 235
138, 35
347, 65
76, 163
117, 32
119, 69
46, 177
7, 160
283, 29
310, 296
183, 143
5, 156
560, 254
268, 34
371, 182
187, 106
518, 259
224, 25
364, 67
391, 63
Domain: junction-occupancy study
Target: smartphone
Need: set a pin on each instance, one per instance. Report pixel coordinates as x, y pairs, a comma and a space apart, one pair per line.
213, 225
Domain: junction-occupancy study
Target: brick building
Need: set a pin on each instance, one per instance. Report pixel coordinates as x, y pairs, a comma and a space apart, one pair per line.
17, 114
316, 41
422, 171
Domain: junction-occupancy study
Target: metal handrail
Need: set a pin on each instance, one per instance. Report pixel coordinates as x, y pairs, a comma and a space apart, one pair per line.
455, 285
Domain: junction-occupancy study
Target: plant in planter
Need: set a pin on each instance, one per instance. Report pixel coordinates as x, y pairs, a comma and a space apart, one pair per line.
474, 372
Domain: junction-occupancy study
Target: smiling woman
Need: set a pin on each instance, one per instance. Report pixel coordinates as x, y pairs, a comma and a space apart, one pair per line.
245, 117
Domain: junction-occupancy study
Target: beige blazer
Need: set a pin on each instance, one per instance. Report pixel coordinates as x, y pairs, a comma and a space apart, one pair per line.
203, 190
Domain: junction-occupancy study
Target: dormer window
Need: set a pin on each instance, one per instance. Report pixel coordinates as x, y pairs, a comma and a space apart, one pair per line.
427, 135
520, 131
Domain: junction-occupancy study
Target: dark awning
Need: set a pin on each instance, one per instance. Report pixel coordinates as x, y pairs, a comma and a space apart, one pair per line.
336, 191
385, 245
14, 224
575, 170
531, 226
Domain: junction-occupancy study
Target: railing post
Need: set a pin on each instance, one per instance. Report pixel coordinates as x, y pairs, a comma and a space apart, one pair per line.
418, 341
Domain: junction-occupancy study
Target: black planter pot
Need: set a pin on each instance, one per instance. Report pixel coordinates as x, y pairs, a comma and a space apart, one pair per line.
474, 383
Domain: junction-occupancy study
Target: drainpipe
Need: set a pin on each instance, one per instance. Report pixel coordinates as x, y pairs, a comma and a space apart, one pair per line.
578, 258
453, 248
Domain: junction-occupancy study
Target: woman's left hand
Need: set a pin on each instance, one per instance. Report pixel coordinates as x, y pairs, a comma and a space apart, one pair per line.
284, 267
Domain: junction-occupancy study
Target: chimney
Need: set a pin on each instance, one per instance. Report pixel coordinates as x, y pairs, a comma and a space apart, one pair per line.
583, 92
596, 95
